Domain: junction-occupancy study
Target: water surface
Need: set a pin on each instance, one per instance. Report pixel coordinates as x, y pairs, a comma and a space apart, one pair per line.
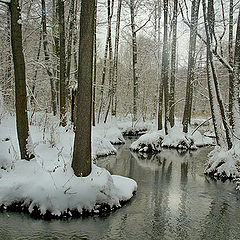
174, 201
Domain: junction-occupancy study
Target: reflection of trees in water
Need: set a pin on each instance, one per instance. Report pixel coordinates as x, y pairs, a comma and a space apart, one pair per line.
218, 223
183, 220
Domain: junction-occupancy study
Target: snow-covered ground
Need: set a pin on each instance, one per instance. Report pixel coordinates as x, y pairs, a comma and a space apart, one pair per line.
223, 163
176, 138
48, 182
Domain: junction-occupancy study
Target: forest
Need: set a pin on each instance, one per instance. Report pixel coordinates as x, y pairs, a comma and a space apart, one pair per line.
93, 92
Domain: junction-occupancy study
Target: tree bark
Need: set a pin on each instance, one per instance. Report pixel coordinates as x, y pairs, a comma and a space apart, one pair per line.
94, 67
134, 59
115, 60
165, 66
24, 138
47, 59
81, 162
191, 65
173, 65
61, 24
230, 57
236, 79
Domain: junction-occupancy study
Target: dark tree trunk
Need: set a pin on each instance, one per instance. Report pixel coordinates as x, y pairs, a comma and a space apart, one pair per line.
165, 66
94, 66
235, 90
173, 65
24, 138
110, 84
230, 56
81, 162
47, 59
115, 60
72, 23
63, 90
134, 59
159, 82
191, 65
216, 102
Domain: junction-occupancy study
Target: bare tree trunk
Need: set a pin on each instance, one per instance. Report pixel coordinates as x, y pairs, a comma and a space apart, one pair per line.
134, 60
94, 66
72, 23
165, 66
215, 78
47, 58
24, 138
173, 65
104, 64
230, 57
61, 22
217, 107
191, 65
81, 162
235, 90
33, 96
159, 81
110, 84
115, 60
56, 50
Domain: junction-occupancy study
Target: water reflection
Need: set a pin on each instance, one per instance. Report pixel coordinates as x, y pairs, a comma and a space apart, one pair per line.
174, 201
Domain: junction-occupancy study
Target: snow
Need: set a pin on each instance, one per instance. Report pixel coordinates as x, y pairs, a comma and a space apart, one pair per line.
223, 163
47, 181
60, 190
176, 138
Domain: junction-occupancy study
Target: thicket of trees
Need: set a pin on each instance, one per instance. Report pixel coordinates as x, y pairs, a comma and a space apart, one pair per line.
161, 59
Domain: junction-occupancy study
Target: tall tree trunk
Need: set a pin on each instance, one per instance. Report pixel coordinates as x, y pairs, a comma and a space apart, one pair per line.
173, 65
211, 22
230, 57
94, 66
217, 107
191, 65
104, 65
47, 59
115, 60
24, 138
72, 23
165, 66
81, 162
236, 78
159, 82
110, 84
61, 22
33, 96
134, 59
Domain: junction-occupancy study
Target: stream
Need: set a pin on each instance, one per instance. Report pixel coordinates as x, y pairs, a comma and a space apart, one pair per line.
174, 200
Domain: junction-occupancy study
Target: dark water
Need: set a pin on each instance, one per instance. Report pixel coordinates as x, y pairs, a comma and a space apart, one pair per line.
174, 201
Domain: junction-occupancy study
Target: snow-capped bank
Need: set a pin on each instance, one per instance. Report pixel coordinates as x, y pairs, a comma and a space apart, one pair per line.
224, 164
53, 142
60, 192
156, 140
47, 184
109, 131
149, 142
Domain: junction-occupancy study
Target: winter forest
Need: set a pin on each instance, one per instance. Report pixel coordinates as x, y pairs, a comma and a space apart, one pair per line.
121, 117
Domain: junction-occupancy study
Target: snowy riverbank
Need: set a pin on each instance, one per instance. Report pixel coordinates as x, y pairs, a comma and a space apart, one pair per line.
47, 183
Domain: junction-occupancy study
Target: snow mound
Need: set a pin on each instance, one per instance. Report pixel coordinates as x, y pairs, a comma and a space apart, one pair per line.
176, 138
59, 191
101, 147
111, 132
224, 164
156, 140
149, 142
